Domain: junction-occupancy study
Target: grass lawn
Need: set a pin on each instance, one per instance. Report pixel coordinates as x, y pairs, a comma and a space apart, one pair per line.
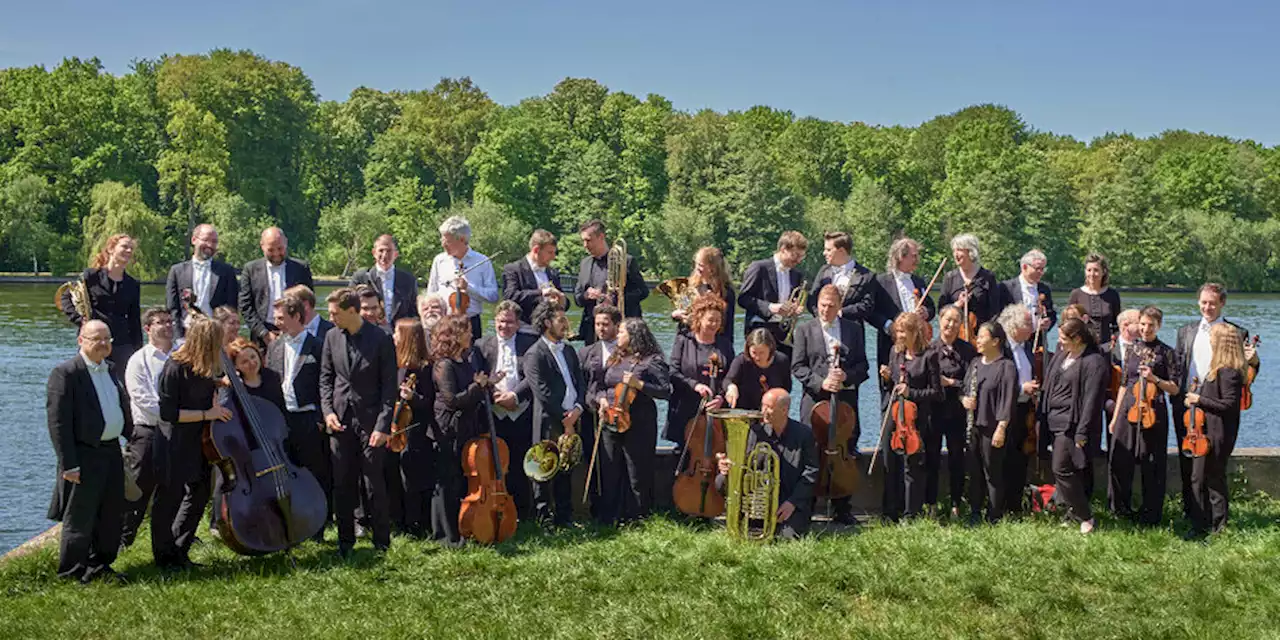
1023, 579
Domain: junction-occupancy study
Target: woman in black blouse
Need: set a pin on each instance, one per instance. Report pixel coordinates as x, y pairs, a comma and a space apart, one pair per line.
711, 275
1100, 302
970, 281
263, 383
949, 418
913, 372
759, 368
691, 356
637, 363
114, 297
1071, 405
1219, 398
414, 462
989, 395
186, 391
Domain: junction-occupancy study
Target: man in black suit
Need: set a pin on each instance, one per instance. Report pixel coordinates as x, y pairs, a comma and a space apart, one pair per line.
856, 283
265, 280
212, 282
511, 395
531, 279
315, 325
559, 395
88, 412
593, 273
399, 288
767, 286
1027, 288
815, 341
357, 394
1017, 322
1194, 355
594, 358
898, 291
296, 357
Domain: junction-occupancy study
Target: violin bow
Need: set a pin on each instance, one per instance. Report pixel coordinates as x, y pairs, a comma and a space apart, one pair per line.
941, 266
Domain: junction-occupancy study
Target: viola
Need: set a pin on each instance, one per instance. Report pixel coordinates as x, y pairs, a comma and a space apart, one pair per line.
618, 414
905, 439
833, 424
969, 320
488, 513
1250, 374
694, 491
459, 301
401, 419
1194, 443
1142, 413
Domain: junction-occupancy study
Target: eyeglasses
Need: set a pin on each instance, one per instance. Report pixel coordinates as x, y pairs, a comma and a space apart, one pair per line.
161, 323
106, 340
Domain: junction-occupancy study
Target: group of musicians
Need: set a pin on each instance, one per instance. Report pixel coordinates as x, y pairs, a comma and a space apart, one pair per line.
985, 385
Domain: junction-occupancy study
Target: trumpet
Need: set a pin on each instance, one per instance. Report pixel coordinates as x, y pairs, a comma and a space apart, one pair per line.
681, 293
79, 298
616, 278
798, 298
547, 458
752, 509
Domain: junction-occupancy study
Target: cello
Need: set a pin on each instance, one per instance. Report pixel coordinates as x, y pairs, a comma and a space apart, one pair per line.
833, 424
1142, 414
1194, 444
488, 514
694, 491
905, 439
1250, 374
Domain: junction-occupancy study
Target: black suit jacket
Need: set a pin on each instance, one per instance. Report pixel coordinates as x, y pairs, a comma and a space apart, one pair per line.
254, 290
888, 306
1011, 292
222, 279
75, 419
1185, 344
358, 378
593, 272
406, 291
810, 362
985, 299
759, 290
484, 357
117, 304
306, 382
548, 387
520, 286
859, 299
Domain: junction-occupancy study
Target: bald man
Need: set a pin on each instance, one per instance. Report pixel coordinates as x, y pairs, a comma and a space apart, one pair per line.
212, 282
797, 461
263, 281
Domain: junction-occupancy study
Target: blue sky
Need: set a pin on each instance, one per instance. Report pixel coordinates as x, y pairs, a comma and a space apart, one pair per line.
1081, 68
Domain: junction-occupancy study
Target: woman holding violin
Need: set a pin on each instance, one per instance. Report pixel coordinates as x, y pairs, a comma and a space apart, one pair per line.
114, 298
1140, 426
635, 376
989, 395
916, 381
1071, 406
970, 286
1218, 398
413, 420
948, 415
711, 276
1101, 304
691, 355
759, 368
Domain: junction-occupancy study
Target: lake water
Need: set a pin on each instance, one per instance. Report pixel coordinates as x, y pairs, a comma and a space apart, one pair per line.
37, 338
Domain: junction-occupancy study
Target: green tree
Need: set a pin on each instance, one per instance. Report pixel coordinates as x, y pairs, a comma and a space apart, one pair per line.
346, 237
117, 208
193, 167
25, 204
516, 166
239, 227
445, 124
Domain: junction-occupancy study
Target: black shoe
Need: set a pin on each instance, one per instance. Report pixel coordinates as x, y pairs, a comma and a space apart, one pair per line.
382, 548
344, 552
975, 520
845, 518
1195, 535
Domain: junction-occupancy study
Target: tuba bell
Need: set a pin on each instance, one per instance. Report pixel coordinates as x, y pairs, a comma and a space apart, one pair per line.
681, 293
798, 298
79, 298
616, 272
751, 512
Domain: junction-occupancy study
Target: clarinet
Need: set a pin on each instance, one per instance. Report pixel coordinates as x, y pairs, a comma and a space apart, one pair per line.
972, 417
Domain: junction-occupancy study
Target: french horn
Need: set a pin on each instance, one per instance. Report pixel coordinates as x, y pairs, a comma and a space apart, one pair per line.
751, 512
79, 298
549, 457
680, 292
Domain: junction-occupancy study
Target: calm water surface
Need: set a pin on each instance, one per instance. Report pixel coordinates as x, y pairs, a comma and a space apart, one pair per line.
36, 338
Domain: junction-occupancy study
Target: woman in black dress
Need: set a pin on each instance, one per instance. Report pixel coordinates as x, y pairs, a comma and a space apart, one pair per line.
759, 368
1071, 404
989, 395
414, 463
711, 275
949, 418
1219, 398
629, 455
186, 391
1101, 303
263, 383
114, 298
691, 357
970, 281
914, 375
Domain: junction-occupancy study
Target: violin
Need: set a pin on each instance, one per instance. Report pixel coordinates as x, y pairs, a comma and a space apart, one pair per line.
1250, 374
1142, 413
694, 491
401, 419
1117, 376
618, 413
905, 439
459, 301
833, 424
488, 513
969, 320
1194, 444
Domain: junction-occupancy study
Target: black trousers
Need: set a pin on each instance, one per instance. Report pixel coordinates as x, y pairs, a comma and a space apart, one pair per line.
477, 328
176, 514
948, 422
518, 435
1015, 459
140, 460
1143, 450
417, 466
354, 461
1209, 481
446, 494
986, 474
797, 525
626, 470
1070, 463
93, 510
903, 484
306, 446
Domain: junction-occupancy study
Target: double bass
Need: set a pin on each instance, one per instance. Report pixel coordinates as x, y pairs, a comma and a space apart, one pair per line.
694, 491
833, 424
905, 439
1194, 444
488, 513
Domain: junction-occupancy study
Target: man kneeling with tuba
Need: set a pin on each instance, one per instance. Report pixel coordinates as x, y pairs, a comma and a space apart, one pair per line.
796, 467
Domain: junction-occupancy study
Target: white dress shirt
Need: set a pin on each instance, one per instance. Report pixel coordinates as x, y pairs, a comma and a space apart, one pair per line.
388, 279
201, 274
831, 335
108, 399
570, 391
842, 275
293, 360
906, 294
313, 326
1201, 350
509, 362
1021, 361
607, 347
482, 285
539, 273
275, 283
141, 380
783, 280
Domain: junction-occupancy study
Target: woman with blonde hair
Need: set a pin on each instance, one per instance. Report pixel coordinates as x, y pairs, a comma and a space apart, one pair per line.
1219, 398
114, 298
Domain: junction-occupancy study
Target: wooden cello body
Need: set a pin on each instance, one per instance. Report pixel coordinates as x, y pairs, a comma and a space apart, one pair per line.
694, 490
488, 514
833, 425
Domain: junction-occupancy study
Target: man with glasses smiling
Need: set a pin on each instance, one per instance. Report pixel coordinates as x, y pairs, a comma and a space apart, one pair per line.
1027, 288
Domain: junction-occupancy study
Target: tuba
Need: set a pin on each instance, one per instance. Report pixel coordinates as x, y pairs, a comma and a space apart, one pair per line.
547, 458
681, 293
798, 298
616, 278
752, 509
79, 298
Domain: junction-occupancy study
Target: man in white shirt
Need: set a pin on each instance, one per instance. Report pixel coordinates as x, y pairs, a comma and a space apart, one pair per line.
559, 395
1030, 291
898, 289
141, 377
398, 288
511, 395
263, 281
479, 284
211, 283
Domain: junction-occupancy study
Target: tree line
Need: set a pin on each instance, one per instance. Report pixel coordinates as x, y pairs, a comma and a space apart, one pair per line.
244, 142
